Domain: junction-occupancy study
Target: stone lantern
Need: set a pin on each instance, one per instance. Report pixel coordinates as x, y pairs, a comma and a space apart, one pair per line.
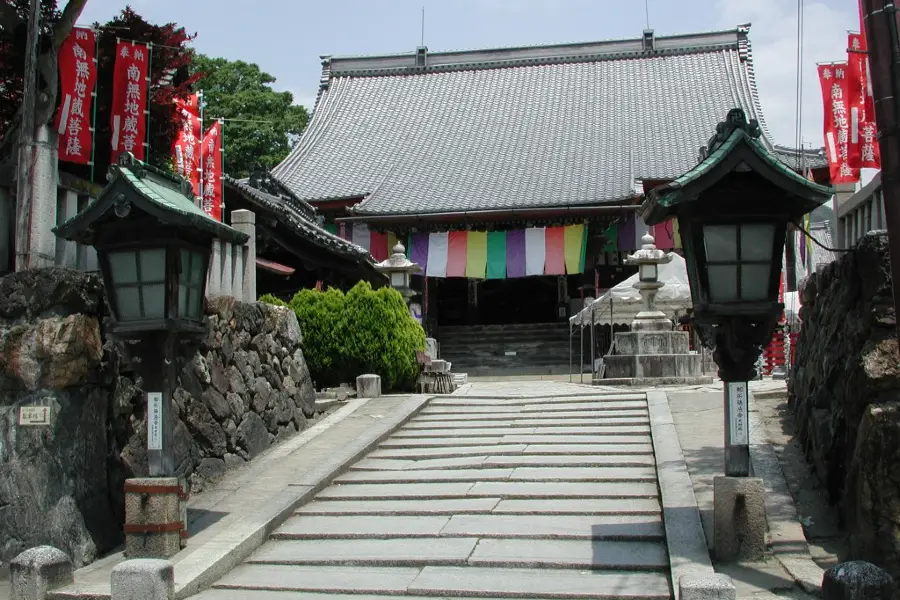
648, 259
399, 270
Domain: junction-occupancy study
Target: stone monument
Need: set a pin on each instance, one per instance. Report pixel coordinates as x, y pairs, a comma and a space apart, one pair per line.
652, 352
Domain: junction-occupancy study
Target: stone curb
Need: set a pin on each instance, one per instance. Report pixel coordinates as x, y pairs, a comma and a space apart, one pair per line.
205, 564
686, 542
787, 540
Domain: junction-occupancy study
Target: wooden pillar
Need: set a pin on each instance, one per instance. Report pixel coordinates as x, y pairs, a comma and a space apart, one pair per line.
472, 304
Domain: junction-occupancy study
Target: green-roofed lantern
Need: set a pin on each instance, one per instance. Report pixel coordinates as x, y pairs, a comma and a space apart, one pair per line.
733, 209
153, 245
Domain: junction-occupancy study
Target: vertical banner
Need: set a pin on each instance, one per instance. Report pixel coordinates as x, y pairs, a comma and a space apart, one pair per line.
212, 171
186, 149
833, 80
863, 133
128, 117
77, 78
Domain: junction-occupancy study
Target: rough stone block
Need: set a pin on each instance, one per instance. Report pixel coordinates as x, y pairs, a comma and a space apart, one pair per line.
143, 579
154, 510
368, 386
706, 587
857, 580
37, 571
739, 518
431, 348
439, 366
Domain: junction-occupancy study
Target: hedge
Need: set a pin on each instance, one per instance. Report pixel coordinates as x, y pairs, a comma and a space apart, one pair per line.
362, 331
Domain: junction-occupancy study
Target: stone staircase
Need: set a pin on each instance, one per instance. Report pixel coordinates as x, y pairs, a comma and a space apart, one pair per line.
526, 349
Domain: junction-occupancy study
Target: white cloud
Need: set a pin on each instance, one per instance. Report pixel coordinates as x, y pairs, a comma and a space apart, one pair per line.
774, 39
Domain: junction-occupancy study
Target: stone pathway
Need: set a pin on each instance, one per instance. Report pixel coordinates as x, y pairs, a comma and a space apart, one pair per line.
502, 490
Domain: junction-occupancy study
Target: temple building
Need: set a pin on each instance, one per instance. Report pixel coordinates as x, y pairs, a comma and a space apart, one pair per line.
512, 175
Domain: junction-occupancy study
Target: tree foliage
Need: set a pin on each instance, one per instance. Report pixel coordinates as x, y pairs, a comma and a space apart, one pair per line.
261, 124
362, 331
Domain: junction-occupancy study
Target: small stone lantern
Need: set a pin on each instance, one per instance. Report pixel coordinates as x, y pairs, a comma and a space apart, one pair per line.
398, 268
648, 259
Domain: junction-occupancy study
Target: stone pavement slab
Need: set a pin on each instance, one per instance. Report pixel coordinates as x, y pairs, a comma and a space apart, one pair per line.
562, 489
629, 446
568, 584
442, 442
430, 417
396, 491
389, 464
320, 578
565, 554
383, 551
387, 451
577, 460
574, 439
429, 475
610, 527
593, 473
534, 422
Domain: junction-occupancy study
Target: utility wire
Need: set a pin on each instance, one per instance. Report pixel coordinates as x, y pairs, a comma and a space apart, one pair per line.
817, 242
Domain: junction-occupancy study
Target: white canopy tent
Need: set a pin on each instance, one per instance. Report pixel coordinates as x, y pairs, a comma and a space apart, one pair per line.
621, 303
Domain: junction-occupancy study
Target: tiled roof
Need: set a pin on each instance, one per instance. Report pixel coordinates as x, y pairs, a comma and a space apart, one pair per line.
291, 217
821, 232
545, 126
800, 161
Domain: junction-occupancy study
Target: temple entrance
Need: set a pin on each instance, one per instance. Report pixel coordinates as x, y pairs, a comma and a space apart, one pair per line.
496, 301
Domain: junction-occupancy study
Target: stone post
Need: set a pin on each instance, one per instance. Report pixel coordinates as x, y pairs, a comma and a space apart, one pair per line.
368, 386
7, 218
245, 222
225, 265
41, 239
37, 571
857, 580
143, 579
67, 252
214, 270
153, 517
739, 518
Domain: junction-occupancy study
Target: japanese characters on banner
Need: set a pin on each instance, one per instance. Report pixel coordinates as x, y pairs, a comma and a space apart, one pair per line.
864, 151
78, 77
833, 80
212, 171
128, 118
186, 149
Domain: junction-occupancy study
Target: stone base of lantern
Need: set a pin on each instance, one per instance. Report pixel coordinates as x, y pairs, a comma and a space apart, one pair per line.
653, 356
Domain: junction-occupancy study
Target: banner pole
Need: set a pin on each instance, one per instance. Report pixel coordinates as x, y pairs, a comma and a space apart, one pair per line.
149, 101
200, 105
94, 100
222, 169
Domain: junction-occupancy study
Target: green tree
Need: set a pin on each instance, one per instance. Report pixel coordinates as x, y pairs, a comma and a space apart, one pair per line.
262, 125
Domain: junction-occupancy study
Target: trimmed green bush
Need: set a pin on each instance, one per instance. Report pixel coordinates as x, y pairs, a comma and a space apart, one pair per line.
362, 331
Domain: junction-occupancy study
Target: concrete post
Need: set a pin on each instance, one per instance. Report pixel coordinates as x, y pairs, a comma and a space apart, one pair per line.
37, 571
245, 222
214, 271
237, 272
42, 241
67, 206
368, 386
706, 587
225, 265
143, 579
857, 580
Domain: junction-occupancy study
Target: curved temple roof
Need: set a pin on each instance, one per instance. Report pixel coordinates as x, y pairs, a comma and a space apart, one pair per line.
544, 126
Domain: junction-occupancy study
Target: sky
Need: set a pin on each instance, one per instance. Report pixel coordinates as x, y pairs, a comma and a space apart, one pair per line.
287, 37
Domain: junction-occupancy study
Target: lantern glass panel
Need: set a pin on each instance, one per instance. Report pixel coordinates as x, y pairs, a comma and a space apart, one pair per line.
756, 241
139, 283
192, 271
755, 282
723, 283
721, 242
398, 279
648, 272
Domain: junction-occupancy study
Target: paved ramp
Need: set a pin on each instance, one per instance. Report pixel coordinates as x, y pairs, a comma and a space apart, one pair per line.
512, 497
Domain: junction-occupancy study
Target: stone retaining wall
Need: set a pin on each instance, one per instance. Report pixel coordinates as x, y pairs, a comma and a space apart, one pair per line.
242, 389
845, 393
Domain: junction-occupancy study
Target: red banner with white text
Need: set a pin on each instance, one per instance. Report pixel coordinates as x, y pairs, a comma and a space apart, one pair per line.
864, 151
212, 171
186, 149
128, 118
77, 78
833, 80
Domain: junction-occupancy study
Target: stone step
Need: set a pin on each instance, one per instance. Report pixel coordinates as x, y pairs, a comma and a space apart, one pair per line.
536, 418
494, 489
570, 398
540, 583
533, 422
508, 430
582, 527
423, 453
490, 552
579, 506
445, 582
470, 461
447, 442
597, 474
454, 506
